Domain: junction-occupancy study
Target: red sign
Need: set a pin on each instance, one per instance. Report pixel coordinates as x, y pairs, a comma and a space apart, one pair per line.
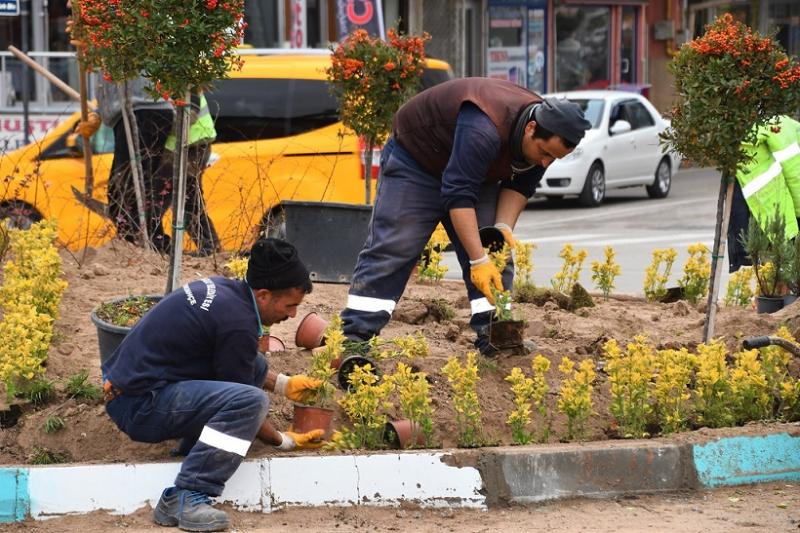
354, 14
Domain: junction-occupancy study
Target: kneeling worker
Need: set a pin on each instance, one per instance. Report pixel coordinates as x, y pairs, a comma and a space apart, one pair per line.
190, 369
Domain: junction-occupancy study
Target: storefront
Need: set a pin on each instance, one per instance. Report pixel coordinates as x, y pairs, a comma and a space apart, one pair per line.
516, 46
599, 44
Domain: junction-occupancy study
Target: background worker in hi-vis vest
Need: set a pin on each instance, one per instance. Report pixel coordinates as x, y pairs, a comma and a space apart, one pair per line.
201, 134
768, 185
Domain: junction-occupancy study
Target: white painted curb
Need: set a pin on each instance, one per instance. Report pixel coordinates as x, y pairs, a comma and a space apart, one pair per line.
264, 484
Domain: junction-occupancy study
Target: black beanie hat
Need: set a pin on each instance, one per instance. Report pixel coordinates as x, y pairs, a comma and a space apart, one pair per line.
562, 117
274, 265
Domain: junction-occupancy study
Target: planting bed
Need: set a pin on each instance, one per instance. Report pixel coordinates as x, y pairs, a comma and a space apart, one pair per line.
119, 269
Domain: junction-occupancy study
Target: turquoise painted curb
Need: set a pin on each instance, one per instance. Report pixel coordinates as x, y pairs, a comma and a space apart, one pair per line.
742, 460
14, 494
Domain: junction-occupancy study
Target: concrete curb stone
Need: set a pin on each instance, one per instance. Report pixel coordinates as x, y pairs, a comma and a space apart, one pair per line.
479, 478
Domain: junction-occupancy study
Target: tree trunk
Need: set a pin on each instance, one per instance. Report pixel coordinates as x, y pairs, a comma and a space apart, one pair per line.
179, 171
368, 172
134, 154
718, 252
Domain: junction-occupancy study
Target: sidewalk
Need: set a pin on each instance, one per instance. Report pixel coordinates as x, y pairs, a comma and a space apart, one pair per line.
454, 478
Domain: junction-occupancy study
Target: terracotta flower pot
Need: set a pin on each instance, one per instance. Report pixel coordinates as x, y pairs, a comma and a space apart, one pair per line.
402, 434
348, 365
310, 331
308, 418
274, 344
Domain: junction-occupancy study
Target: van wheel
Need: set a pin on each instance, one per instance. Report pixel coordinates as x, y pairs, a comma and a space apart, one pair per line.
273, 225
20, 215
594, 188
663, 180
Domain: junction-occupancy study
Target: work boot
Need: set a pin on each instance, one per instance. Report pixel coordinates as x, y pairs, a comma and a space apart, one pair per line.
485, 347
190, 510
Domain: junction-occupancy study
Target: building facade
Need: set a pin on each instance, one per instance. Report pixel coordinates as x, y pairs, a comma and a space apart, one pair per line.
545, 45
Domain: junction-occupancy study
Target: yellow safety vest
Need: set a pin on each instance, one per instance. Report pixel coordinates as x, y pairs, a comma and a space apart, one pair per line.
201, 127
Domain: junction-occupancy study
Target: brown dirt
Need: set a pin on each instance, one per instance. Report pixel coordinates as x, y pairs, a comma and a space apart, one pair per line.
119, 269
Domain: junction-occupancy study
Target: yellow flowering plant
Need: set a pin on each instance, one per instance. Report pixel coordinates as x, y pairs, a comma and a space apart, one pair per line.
464, 382
696, 273
237, 267
415, 400
605, 272
499, 257
430, 267
775, 365
740, 288
671, 394
575, 395
571, 269
712, 386
657, 274
365, 406
523, 263
749, 389
529, 392
630, 373
321, 369
30, 295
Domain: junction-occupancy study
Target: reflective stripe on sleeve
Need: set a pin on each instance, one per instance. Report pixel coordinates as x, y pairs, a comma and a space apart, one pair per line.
481, 305
787, 153
220, 440
370, 305
761, 181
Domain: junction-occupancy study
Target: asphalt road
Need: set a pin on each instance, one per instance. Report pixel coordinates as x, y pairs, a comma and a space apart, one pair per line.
633, 224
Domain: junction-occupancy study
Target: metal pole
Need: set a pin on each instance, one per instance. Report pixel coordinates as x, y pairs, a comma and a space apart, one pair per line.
179, 193
25, 11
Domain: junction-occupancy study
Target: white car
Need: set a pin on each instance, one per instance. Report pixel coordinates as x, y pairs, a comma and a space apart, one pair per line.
622, 149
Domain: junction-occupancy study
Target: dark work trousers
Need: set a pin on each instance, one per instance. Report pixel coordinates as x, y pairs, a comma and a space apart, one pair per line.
154, 126
217, 421
408, 206
196, 221
739, 221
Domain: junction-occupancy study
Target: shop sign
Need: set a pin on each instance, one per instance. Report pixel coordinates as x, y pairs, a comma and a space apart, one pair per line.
12, 128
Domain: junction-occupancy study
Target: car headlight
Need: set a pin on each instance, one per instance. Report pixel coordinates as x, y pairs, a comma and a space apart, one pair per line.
575, 154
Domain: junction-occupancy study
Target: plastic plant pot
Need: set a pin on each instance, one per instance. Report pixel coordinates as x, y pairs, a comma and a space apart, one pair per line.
310, 331
349, 364
109, 335
492, 238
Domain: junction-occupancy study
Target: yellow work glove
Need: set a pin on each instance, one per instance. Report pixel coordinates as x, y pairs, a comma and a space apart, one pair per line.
296, 388
301, 441
484, 276
505, 229
88, 127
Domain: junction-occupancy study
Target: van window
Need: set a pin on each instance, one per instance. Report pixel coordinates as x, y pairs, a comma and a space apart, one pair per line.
251, 109
433, 76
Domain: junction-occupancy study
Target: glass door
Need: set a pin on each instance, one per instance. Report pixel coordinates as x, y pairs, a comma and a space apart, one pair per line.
628, 49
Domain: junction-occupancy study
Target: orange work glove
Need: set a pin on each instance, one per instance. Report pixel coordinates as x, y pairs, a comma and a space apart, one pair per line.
88, 127
505, 229
296, 388
301, 441
485, 276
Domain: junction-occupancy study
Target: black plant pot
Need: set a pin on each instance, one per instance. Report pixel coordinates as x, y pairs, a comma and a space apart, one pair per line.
492, 238
349, 364
110, 336
768, 304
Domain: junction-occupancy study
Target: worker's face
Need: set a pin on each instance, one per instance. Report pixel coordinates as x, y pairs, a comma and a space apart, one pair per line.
277, 306
542, 152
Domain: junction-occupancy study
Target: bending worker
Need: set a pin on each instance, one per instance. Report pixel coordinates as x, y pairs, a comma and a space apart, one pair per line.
190, 369
467, 153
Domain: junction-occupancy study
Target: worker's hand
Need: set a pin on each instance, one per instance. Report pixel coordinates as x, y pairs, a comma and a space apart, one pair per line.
485, 276
88, 127
301, 441
296, 388
505, 229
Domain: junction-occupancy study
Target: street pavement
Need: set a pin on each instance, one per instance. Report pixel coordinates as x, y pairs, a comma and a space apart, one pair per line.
633, 224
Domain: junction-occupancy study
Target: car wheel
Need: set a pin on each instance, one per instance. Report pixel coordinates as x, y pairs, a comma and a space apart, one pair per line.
663, 180
274, 224
20, 215
594, 188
